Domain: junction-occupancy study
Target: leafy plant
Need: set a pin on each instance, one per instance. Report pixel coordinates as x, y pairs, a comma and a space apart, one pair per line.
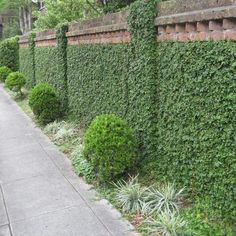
109, 146
15, 81
203, 220
4, 72
115, 5
64, 134
44, 103
130, 195
166, 197
53, 127
166, 223
82, 166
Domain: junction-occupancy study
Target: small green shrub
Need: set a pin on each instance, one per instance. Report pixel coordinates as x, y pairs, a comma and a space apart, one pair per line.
15, 81
9, 53
109, 146
44, 103
4, 72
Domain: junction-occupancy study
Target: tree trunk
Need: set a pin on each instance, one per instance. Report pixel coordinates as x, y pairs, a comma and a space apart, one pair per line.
29, 17
21, 20
25, 19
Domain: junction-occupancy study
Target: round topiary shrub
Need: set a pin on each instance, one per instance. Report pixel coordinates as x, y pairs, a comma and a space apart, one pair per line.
15, 81
44, 103
4, 72
109, 146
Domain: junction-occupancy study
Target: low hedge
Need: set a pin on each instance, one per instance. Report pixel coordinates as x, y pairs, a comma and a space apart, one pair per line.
4, 72
9, 53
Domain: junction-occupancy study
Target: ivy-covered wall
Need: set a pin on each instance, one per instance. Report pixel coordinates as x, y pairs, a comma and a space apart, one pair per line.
51, 65
179, 98
97, 80
196, 121
27, 62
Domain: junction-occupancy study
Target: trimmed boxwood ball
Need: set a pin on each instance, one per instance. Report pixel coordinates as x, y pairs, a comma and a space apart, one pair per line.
4, 72
15, 81
44, 103
109, 146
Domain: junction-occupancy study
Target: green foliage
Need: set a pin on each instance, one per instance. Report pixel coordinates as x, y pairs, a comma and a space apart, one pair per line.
9, 53
116, 5
82, 167
44, 103
196, 121
4, 72
11, 29
203, 221
109, 146
142, 75
98, 80
53, 73
62, 11
15, 81
27, 62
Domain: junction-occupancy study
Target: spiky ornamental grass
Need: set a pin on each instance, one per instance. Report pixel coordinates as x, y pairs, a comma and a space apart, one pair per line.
166, 197
166, 223
130, 195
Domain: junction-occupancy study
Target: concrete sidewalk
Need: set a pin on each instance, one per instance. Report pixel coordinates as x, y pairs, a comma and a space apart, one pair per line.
39, 193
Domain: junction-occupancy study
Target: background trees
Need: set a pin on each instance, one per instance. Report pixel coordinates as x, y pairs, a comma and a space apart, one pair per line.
26, 14
20, 16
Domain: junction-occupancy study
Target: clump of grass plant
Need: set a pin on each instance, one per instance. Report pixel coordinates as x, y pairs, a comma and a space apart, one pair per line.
166, 223
166, 197
160, 207
65, 135
130, 195
53, 127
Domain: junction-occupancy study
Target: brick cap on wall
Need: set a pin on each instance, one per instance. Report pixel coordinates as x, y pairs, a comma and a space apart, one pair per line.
177, 20
180, 6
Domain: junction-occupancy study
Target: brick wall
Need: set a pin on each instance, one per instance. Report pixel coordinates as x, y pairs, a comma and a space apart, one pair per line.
196, 20
179, 20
